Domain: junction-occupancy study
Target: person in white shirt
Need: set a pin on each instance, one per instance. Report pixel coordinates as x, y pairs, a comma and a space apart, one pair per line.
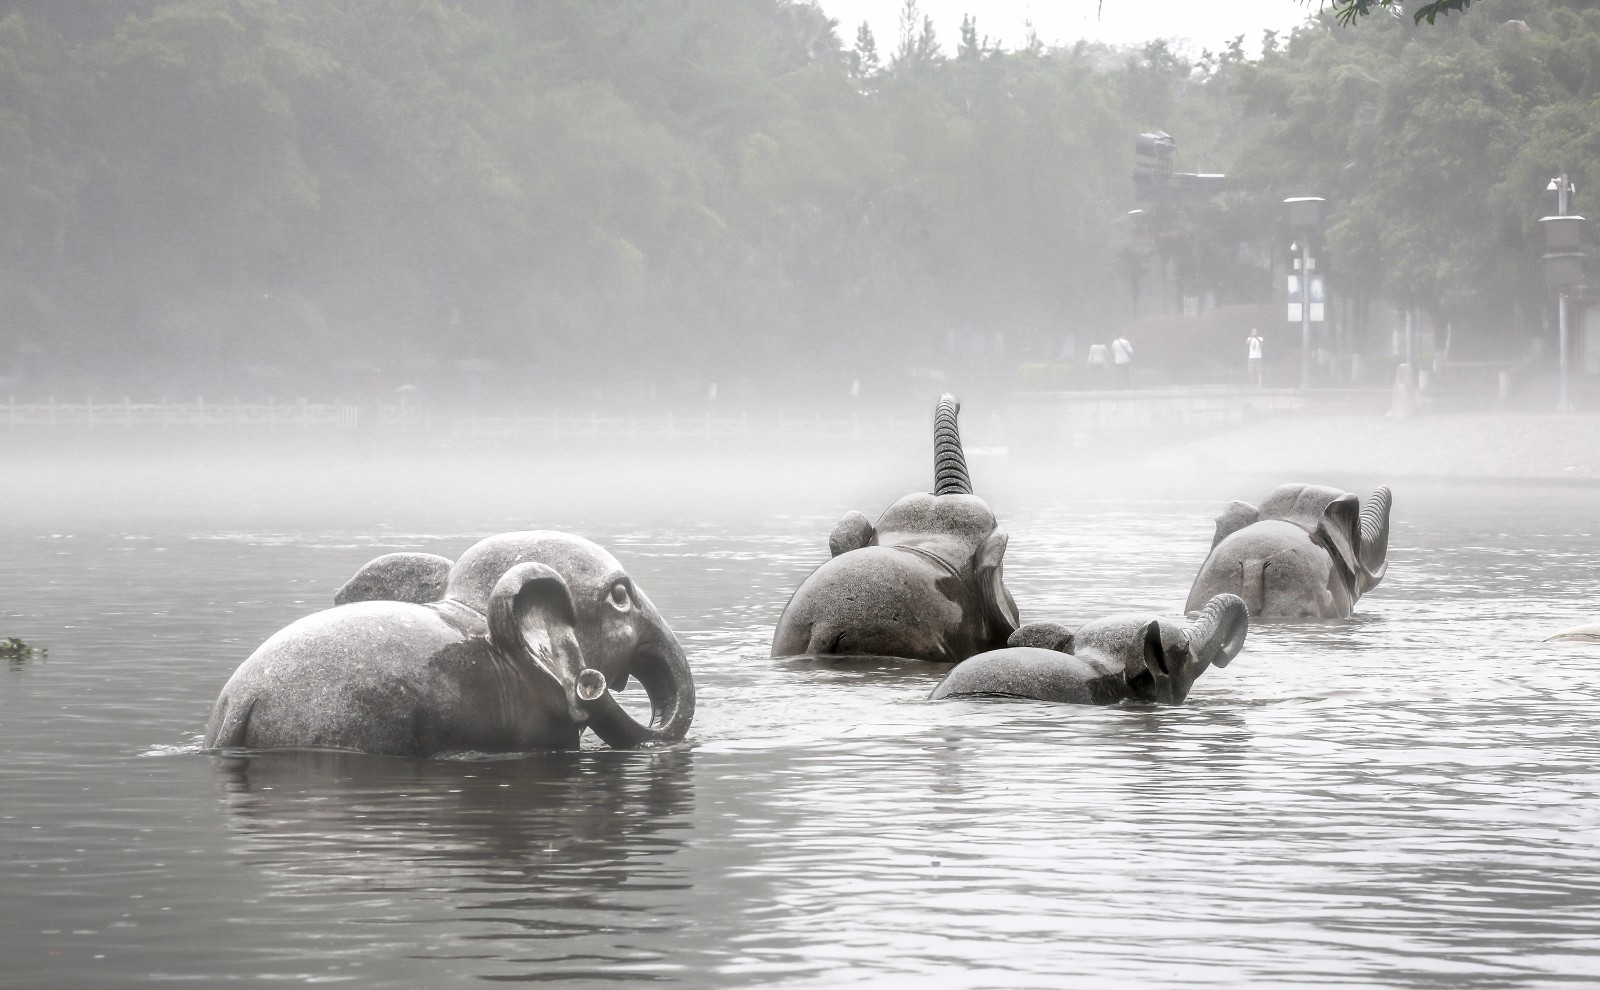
1122, 358
1254, 363
1097, 364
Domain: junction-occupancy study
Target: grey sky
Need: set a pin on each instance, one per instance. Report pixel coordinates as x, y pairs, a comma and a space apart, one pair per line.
1207, 25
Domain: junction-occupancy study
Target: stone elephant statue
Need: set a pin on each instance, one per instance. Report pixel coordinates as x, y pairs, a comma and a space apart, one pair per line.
1309, 552
1130, 656
516, 646
924, 583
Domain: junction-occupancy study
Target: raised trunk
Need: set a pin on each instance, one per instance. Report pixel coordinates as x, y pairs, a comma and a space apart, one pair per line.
949, 461
663, 670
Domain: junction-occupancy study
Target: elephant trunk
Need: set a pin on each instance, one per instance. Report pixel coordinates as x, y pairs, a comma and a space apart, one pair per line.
663, 669
1217, 635
1373, 548
949, 461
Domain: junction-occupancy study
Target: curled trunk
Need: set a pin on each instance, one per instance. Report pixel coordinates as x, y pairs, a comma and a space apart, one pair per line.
663, 671
1217, 635
1373, 550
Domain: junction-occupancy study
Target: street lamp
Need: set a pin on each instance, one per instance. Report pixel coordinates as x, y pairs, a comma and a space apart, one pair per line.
1563, 267
1304, 215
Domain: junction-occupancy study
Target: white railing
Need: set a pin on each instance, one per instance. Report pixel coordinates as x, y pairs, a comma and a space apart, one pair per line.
127, 415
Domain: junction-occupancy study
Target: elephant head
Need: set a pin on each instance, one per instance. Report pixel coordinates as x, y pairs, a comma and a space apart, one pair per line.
1309, 551
1132, 655
1162, 657
925, 582
618, 631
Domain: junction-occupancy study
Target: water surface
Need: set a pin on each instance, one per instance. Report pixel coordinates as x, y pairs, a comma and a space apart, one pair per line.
1408, 799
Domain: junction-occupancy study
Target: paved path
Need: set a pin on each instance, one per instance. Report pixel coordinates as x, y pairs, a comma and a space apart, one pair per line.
1513, 446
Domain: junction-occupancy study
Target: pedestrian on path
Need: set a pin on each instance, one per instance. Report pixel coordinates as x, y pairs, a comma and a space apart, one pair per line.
1097, 364
1254, 363
1122, 358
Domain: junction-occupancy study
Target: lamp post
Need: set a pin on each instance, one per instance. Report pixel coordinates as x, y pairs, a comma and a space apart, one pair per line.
1304, 215
1563, 269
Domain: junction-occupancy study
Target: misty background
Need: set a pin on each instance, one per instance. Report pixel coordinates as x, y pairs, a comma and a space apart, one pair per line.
570, 201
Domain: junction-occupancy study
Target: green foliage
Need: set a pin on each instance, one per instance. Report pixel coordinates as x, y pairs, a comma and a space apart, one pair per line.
1349, 11
15, 651
1433, 146
587, 190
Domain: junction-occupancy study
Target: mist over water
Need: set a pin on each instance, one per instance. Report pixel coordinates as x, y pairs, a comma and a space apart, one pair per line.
1403, 799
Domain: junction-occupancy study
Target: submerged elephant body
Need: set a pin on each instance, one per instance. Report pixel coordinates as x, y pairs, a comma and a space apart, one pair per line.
534, 632
1129, 656
924, 583
1577, 634
1309, 552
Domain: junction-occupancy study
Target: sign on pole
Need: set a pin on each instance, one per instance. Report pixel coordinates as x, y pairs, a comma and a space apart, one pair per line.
1296, 299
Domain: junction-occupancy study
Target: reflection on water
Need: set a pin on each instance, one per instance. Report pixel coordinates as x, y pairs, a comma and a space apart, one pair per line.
1406, 799
558, 864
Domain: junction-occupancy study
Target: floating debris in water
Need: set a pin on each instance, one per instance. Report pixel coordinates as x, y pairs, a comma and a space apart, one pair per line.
16, 651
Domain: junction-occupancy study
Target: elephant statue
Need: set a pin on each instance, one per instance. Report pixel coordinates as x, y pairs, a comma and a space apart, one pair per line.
924, 583
1309, 552
1130, 656
516, 646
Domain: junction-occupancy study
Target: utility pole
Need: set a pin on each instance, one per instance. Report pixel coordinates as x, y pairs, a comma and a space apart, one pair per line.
1304, 264
1304, 216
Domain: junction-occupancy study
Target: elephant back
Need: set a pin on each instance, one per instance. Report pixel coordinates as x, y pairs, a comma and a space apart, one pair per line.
1038, 674
345, 677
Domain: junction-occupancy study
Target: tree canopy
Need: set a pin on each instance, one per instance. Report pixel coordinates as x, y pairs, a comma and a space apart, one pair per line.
291, 194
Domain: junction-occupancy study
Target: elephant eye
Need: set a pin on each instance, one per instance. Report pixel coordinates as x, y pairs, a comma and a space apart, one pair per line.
619, 595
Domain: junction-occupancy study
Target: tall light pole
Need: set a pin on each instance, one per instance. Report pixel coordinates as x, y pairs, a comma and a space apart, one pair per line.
1563, 268
1304, 214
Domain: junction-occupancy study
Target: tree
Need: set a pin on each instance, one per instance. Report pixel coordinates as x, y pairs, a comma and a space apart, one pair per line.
866, 62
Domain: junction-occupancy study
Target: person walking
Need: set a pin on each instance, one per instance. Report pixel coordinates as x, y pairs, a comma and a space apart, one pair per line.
1122, 358
1097, 364
1254, 363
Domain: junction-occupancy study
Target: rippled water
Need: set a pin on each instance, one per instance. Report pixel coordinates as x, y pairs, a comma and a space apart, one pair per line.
1409, 799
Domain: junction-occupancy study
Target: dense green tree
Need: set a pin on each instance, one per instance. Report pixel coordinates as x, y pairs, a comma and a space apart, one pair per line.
220, 191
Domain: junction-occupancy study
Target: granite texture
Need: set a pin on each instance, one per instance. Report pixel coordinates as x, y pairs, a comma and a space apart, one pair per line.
532, 634
1309, 552
1128, 656
397, 577
925, 582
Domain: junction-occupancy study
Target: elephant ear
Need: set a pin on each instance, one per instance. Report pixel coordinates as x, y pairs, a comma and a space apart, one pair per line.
989, 569
1043, 636
1149, 669
1339, 531
533, 626
1217, 635
1372, 547
1235, 517
852, 532
419, 578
